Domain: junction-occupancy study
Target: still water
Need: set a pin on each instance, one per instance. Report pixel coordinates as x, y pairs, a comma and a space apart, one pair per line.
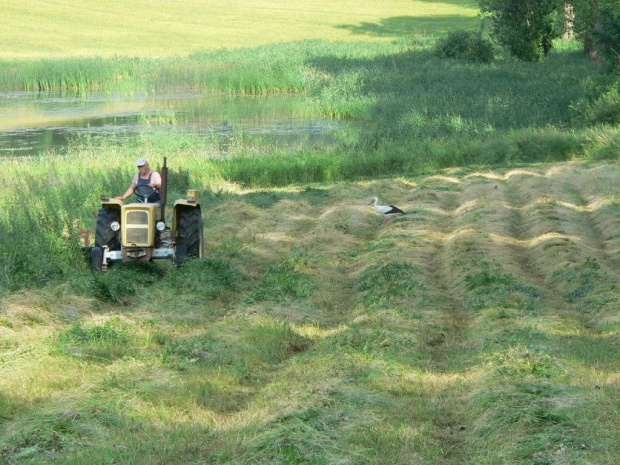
32, 123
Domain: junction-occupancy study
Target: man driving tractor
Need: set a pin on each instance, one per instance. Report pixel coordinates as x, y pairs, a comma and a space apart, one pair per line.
146, 184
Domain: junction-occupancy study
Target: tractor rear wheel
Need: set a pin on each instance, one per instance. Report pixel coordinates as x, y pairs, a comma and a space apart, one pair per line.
189, 235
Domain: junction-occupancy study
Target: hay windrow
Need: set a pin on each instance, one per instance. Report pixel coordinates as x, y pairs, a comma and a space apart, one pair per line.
488, 311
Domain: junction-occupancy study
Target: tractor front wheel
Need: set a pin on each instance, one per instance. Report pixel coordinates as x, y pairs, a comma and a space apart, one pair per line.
96, 258
104, 234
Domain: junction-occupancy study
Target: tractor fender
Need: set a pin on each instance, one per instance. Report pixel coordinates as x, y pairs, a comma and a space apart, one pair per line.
111, 203
181, 205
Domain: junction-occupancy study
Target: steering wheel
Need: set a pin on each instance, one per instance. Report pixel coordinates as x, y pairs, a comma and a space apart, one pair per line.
144, 190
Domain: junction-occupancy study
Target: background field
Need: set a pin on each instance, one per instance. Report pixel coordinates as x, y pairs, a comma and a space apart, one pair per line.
146, 28
481, 328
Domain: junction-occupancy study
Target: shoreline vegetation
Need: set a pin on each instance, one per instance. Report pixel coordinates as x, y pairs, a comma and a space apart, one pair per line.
401, 92
482, 327
417, 112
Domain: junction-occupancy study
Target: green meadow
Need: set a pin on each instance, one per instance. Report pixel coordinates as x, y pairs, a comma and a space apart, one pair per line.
146, 28
482, 327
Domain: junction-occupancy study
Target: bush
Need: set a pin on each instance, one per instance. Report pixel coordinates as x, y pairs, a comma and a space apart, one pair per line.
526, 29
465, 45
604, 109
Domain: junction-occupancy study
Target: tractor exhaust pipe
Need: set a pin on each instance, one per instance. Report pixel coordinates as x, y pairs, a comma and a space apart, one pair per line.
164, 188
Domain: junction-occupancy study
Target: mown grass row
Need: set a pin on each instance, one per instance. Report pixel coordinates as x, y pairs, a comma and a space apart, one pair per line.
312, 334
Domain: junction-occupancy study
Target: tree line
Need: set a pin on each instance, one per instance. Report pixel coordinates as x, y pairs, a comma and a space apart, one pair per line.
526, 28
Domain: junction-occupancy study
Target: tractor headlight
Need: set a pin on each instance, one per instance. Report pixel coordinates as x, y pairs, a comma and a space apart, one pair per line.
160, 226
115, 226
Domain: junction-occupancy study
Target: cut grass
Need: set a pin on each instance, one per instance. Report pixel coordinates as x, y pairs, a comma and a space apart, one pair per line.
456, 336
482, 327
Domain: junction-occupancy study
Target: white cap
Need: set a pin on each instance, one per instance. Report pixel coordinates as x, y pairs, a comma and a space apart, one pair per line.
142, 162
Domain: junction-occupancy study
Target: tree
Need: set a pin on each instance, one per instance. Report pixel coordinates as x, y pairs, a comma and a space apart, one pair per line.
525, 27
585, 23
569, 21
607, 37
597, 25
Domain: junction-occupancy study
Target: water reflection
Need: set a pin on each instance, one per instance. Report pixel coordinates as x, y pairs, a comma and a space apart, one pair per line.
32, 122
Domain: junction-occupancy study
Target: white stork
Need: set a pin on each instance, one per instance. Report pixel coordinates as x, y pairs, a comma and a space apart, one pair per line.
388, 211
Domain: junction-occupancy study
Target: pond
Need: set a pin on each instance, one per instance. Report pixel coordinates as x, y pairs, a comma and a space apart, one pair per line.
32, 123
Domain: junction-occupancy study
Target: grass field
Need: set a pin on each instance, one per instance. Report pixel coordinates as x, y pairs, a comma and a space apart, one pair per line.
143, 28
482, 327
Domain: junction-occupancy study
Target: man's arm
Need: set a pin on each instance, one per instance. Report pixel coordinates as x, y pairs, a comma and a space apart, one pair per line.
130, 190
155, 181
127, 193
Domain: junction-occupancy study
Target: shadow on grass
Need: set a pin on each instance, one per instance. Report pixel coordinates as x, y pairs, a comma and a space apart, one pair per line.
408, 25
418, 96
267, 199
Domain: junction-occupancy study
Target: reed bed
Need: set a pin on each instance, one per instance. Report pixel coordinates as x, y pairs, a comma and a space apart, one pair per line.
275, 68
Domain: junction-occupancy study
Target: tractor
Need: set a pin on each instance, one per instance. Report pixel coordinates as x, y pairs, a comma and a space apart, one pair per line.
136, 232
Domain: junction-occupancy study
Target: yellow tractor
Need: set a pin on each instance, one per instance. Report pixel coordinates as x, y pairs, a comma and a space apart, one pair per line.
136, 232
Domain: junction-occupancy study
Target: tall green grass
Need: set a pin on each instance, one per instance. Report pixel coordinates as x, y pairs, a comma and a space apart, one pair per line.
286, 67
